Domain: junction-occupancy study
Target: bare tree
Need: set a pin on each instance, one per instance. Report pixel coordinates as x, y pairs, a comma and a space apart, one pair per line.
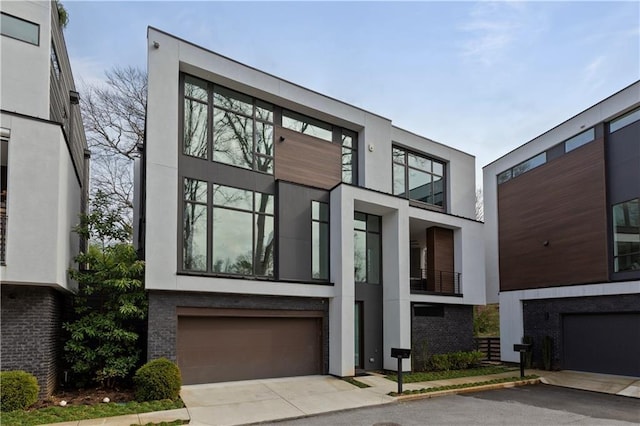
479, 204
113, 115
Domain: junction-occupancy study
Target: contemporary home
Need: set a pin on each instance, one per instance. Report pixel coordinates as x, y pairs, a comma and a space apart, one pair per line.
44, 173
563, 240
289, 233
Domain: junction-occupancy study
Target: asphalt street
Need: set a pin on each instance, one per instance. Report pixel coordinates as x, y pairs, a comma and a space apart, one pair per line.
526, 405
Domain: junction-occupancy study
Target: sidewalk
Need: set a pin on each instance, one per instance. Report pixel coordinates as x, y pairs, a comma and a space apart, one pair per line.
254, 401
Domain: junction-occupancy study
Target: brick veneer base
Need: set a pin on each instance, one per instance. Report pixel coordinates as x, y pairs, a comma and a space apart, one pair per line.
30, 335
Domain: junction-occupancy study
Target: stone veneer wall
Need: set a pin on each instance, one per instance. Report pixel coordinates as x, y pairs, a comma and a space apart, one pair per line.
437, 335
544, 318
163, 324
31, 328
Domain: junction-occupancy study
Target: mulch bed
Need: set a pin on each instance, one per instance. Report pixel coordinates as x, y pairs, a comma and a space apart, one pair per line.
91, 396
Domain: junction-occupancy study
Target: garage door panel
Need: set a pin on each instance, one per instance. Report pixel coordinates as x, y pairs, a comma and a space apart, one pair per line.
217, 349
602, 343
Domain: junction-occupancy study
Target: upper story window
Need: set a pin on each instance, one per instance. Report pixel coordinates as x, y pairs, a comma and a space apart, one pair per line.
349, 157
55, 64
579, 140
625, 120
626, 236
418, 177
367, 245
241, 126
20, 29
227, 230
523, 167
319, 240
307, 125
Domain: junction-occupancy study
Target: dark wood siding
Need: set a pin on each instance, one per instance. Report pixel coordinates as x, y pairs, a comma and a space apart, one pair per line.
306, 160
440, 259
553, 222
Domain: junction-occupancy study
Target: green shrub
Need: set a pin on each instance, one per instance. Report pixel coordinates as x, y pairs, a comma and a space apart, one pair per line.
454, 361
18, 389
157, 379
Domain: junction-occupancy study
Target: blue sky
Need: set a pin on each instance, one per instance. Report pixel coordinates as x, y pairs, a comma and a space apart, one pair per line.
483, 77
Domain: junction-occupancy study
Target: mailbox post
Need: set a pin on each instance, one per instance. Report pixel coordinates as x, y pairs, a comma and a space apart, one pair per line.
523, 348
400, 354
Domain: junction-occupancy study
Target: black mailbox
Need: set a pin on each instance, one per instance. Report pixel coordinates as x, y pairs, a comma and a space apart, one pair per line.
400, 353
522, 347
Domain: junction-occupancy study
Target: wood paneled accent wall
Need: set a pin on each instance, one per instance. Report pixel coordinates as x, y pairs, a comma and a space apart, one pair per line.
440, 259
553, 222
307, 160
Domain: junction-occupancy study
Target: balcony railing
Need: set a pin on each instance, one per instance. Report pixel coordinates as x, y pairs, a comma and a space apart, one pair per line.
432, 281
3, 233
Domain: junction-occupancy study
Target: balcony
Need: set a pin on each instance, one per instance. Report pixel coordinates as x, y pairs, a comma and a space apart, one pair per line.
431, 281
3, 233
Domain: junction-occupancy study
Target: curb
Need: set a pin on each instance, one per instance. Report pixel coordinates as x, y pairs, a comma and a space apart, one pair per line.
493, 386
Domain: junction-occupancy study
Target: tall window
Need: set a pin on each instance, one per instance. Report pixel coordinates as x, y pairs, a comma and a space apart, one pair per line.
55, 64
367, 246
418, 177
243, 233
626, 236
194, 247
349, 157
319, 240
241, 238
241, 127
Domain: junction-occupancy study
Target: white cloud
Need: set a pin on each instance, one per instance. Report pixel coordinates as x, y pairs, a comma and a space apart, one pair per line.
88, 70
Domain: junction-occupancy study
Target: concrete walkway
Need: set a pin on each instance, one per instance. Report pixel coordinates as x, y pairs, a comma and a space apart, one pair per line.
253, 401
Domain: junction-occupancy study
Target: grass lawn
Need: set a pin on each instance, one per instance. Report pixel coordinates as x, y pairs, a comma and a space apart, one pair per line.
465, 385
82, 412
451, 374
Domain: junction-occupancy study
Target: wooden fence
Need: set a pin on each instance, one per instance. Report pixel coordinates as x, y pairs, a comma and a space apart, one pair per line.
489, 346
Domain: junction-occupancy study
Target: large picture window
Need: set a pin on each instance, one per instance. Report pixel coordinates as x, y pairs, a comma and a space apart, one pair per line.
367, 244
227, 126
418, 177
241, 239
626, 236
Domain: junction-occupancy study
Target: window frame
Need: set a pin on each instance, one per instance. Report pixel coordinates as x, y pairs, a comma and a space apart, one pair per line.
321, 221
366, 232
37, 26
406, 169
353, 152
614, 234
210, 207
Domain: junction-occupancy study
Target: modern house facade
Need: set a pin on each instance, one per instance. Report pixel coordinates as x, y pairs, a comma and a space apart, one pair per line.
44, 177
289, 233
563, 240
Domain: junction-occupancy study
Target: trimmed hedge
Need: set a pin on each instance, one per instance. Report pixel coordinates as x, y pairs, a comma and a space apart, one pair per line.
157, 379
454, 361
18, 390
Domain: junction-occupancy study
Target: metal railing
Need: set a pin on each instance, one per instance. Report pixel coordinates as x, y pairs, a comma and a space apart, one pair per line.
3, 234
439, 282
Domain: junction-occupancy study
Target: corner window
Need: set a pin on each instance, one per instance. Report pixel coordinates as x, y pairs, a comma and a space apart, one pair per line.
626, 236
319, 240
349, 157
418, 177
20, 29
367, 244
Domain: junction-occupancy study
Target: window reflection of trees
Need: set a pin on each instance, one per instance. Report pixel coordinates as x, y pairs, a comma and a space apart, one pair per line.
195, 225
195, 120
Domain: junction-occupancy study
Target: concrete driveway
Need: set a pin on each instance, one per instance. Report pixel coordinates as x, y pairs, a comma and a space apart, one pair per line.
250, 401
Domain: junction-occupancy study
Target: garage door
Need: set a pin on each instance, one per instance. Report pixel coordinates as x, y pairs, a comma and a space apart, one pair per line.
602, 343
219, 348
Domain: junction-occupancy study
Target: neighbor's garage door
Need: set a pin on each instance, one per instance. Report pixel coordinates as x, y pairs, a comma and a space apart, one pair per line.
602, 343
225, 348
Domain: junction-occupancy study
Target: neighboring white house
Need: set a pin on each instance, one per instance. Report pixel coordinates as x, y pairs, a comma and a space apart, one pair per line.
44, 185
286, 232
563, 239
